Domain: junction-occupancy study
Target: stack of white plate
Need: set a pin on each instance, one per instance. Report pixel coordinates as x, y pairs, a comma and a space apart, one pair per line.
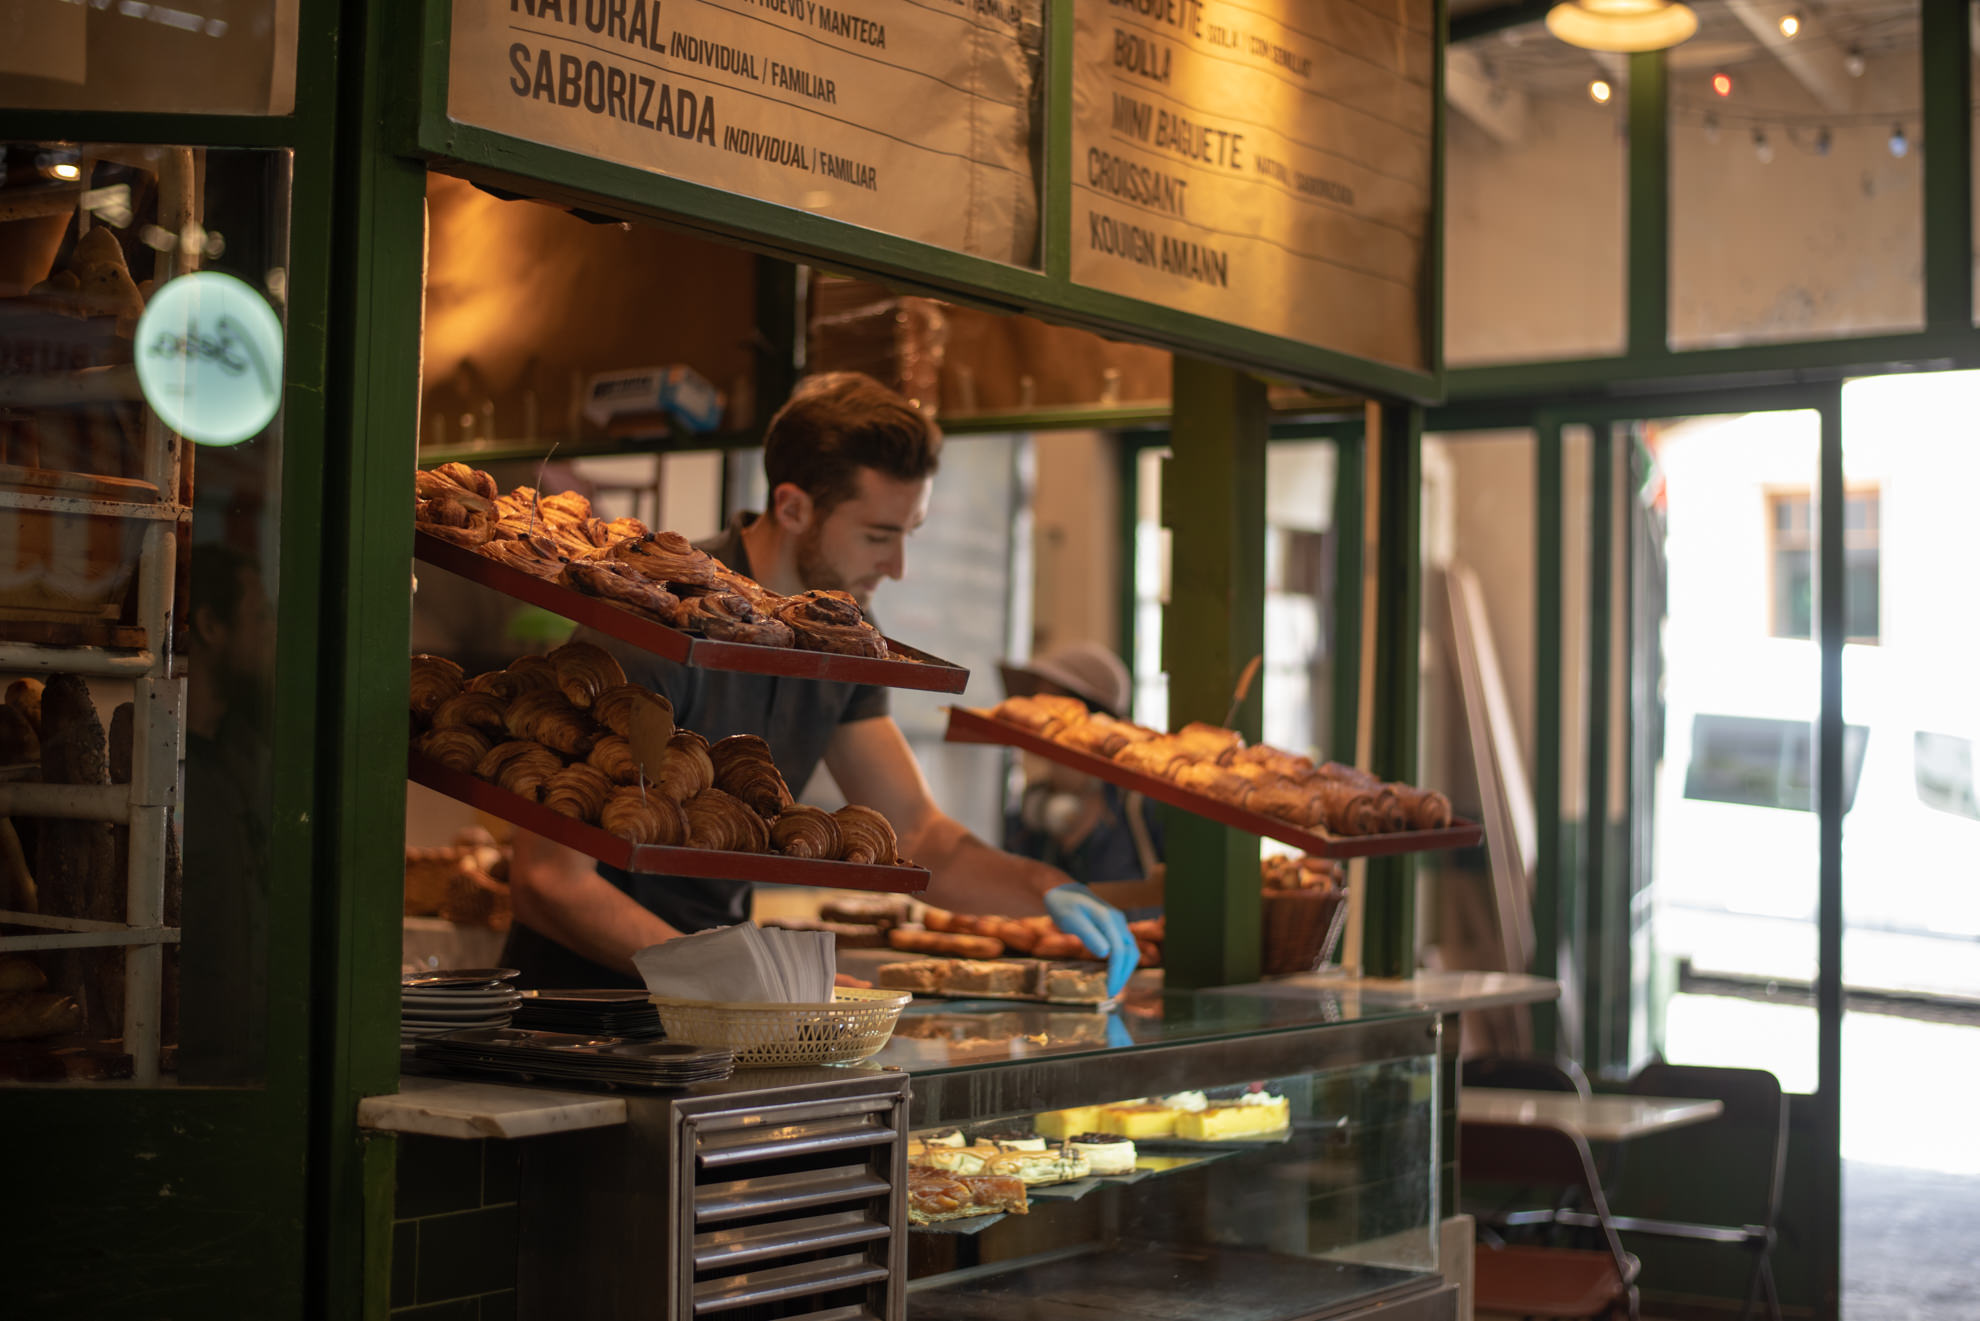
449, 999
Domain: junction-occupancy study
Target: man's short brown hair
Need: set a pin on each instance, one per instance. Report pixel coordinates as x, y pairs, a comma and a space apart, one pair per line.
836, 423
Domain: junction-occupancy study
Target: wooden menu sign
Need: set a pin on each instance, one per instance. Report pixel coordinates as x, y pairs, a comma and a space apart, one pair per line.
1267, 164
912, 117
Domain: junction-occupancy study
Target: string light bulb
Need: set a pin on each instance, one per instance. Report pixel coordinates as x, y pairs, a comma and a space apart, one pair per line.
1790, 25
1622, 25
1899, 143
1722, 83
1599, 92
66, 170
1853, 63
1763, 148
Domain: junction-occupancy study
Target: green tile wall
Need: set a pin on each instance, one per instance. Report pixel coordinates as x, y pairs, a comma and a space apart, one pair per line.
454, 1230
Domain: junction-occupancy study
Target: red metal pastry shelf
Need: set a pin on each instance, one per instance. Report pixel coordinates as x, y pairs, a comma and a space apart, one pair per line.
966, 726
770, 868
921, 670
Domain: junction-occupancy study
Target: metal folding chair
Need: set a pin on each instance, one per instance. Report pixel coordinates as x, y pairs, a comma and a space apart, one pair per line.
1531, 1280
1754, 1105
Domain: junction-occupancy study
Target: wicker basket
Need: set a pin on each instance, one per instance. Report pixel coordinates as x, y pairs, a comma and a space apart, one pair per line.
853, 1027
1298, 928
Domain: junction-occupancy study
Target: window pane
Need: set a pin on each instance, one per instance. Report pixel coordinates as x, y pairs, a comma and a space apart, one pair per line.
1861, 605
222, 57
195, 243
1534, 206
1797, 200
1794, 594
1857, 511
1945, 773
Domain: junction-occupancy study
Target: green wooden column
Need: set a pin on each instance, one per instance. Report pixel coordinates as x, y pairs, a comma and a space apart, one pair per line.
1388, 924
1213, 502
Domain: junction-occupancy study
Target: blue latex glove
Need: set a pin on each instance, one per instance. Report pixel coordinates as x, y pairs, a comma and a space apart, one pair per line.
1100, 926
1117, 1031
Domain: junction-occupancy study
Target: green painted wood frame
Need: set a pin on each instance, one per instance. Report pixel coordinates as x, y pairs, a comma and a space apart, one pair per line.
166, 1199
609, 188
1570, 892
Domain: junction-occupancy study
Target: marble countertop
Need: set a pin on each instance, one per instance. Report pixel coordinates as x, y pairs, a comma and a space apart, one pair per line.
1432, 992
459, 1108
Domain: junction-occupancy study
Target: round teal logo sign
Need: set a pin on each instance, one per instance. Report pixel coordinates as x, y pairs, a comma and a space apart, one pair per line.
209, 358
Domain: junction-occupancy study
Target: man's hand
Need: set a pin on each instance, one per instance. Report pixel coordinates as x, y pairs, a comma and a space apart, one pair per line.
1100, 926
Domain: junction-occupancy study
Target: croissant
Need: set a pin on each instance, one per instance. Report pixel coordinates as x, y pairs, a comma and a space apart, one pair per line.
684, 769
1043, 714
1209, 742
534, 555
806, 832
1163, 757
866, 836
457, 747
431, 485
614, 757
519, 766
472, 480
1345, 808
644, 818
831, 622
532, 672
1281, 798
469, 709
1275, 760
666, 557
502, 685
577, 791
621, 584
584, 670
717, 821
1213, 781
565, 507
743, 768
545, 716
434, 680
1426, 808
452, 518
613, 708
1099, 733
622, 528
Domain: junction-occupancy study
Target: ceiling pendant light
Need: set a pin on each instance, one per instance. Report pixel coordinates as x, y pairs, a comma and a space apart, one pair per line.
1622, 25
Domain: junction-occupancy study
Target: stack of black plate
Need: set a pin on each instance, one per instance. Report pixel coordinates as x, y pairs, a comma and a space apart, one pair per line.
608, 1013
454, 998
566, 1057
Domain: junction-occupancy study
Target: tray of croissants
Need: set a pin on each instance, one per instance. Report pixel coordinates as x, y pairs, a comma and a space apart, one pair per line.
1327, 809
652, 589
564, 747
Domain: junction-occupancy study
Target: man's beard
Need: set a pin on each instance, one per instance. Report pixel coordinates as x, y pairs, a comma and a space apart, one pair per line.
816, 572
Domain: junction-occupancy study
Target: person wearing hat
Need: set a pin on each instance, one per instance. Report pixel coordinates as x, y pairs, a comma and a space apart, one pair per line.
1089, 829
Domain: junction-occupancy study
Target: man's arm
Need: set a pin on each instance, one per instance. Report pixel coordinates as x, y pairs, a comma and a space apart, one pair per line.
559, 893
874, 766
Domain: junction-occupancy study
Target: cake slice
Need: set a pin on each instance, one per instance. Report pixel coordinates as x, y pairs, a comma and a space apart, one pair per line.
1107, 1153
1140, 1121
1062, 1124
1246, 1118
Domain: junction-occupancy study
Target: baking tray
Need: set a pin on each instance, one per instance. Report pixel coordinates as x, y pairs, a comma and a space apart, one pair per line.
769, 868
967, 726
923, 671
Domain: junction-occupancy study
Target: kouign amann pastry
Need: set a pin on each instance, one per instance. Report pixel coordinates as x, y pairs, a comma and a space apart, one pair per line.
434, 680
867, 836
806, 832
644, 817
578, 792
457, 747
585, 671
717, 820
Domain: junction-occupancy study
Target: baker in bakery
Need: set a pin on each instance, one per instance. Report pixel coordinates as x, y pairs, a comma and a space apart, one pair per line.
850, 465
1092, 830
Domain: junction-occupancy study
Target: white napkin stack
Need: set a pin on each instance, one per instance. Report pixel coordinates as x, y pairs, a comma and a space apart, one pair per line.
742, 963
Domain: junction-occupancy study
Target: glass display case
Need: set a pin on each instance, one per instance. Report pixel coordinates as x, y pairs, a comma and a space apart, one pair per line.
1232, 1154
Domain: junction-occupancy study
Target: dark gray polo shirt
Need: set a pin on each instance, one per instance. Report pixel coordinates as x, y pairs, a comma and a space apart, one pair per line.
798, 717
